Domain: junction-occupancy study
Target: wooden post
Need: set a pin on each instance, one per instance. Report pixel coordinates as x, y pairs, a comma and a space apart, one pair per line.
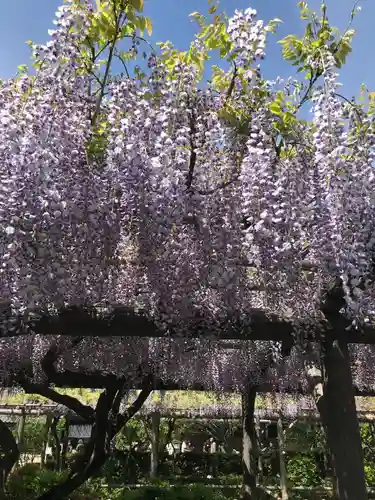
260, 460
212, 455
155, 432
47, 428
57, 443
65, 443
21, 431
249, 444
283, 474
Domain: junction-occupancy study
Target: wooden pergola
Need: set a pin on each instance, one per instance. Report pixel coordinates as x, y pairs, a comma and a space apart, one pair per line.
278, 410
329, 329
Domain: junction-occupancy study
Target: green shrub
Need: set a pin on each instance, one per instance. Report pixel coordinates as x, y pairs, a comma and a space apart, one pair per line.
29, 481
368, 442
175, 493
302, 471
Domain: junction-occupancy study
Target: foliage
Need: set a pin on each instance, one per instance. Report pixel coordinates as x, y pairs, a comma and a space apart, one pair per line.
87, 396
304, 53
173, 493
368, 442
305, 436
33, 435
29, 481
302, 471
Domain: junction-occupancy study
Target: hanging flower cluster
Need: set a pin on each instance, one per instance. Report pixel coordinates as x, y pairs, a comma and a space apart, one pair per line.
182, 219
56, 209
343, 201
200, 364
248, 37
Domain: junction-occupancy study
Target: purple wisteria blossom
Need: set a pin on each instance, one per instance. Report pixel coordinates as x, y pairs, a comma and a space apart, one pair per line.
182, 218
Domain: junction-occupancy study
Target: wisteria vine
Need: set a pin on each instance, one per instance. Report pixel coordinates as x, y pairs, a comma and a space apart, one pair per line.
181, 218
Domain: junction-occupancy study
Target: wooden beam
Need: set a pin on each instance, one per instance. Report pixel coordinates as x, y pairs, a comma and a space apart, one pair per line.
71, 380
124, 322
233, 412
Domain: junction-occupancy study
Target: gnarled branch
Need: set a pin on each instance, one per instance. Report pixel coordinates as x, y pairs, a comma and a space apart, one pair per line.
84, 411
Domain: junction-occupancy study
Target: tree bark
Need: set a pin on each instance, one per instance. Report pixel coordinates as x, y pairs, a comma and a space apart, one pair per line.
334, 396
10, 454
106, 425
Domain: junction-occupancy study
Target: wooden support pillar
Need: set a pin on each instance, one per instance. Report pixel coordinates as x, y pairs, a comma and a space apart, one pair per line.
47, 428
56, 443
155, 434
212, 463
283, 474
21, 431
65, 441
249, 445
260, 460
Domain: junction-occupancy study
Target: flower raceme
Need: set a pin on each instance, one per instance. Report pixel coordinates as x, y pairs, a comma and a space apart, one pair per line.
181, 216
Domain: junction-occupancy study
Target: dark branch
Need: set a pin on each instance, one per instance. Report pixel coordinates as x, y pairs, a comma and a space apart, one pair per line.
121, 59
84, 411
223, 185
123, 418
193, 154
9, 453
232, 82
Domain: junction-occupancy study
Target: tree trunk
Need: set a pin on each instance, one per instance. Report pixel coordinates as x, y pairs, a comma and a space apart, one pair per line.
63, 490
97, 449
9, 454
249, 445
336, 404
94, 454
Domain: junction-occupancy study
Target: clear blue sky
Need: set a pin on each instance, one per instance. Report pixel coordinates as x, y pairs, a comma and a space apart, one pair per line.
23, 20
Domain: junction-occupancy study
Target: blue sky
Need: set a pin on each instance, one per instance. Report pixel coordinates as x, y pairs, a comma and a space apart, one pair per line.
23, 20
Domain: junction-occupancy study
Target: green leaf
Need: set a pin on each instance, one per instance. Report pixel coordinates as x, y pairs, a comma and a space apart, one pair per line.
140, 22
22, 68
275, 108
212, 9
137, 4
148, 25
